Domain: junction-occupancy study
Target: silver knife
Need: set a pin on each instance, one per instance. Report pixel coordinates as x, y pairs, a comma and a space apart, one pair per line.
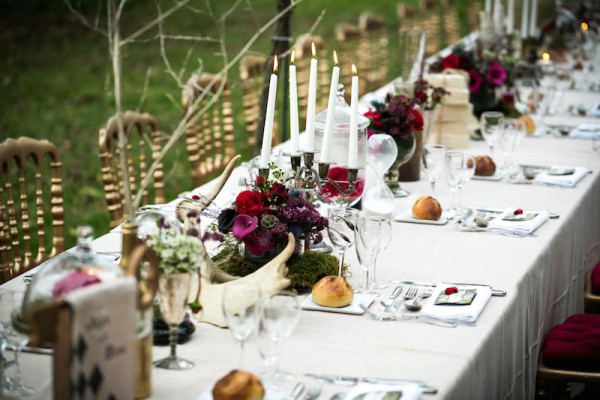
495, 292
342, 380
552, 215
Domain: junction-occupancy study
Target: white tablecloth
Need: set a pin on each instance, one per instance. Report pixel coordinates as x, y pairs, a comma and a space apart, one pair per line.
544, 277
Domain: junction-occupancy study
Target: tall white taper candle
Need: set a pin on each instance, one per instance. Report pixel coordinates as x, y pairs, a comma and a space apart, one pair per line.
328, 133
524, 19
294, 130
353, 135
265, 151
311, 105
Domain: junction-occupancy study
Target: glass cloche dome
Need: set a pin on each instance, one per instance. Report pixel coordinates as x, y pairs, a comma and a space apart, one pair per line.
66, 272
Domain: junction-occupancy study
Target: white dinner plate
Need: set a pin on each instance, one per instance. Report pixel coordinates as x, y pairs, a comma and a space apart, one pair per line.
352, 308
406, 216
496, 177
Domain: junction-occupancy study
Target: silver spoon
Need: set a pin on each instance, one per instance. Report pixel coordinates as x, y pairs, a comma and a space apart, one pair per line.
415, 305
390, 300
480, 220
297, 391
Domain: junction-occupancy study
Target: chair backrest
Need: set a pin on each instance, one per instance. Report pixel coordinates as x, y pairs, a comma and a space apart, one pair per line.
143, 147
473, 8
31, 201
451, 22
252, 77
303, 49
407, 16
431, 24
348, 37
209, 136
374, 51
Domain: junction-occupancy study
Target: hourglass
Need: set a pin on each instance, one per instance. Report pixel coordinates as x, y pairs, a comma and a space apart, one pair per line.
381, 154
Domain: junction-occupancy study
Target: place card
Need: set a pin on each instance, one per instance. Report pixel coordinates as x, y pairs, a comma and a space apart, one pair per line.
460, 298
527, 216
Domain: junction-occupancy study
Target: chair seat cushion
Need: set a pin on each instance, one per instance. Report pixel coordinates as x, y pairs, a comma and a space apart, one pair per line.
574, 344
596, 280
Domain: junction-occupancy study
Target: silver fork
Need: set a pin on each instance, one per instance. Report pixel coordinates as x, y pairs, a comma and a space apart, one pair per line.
314, 390
411, 292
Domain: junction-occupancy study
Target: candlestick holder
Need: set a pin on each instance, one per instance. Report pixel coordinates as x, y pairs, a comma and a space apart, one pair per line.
263, 172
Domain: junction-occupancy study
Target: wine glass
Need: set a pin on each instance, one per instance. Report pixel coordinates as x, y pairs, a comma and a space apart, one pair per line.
241, 309
491, 126
367, 242
385, 238
174, 291
432, 161
510, 137
454, 162
341, 230
467, 172
10, 303
279, 317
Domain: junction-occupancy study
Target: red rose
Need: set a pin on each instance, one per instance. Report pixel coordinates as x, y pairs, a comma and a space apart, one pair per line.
518, 211
417, 119
421, 96
450, 61
372, 114
260, 181
249, 203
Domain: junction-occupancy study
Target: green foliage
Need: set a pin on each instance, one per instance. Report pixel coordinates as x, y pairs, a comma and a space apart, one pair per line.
304, 271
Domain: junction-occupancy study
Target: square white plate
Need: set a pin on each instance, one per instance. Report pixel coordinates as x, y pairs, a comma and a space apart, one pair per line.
496, 177
406, 216
352, 308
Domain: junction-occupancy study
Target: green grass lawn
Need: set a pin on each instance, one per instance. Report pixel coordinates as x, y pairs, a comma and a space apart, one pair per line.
56, 82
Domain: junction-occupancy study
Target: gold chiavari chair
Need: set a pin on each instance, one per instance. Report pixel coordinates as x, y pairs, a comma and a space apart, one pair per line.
348, 37
407, 17
451, 22
209, 136
143, 147
431, 23
30, 174
374, 51
303, 49
251, 75
473, 8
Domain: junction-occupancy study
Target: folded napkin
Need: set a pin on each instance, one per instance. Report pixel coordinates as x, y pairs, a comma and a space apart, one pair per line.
466, 313
368, 391
586, 131
567, 181
524, 226
594, 111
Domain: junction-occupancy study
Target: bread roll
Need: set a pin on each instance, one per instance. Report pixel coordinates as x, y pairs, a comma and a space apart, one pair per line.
427, 207
238, 385
484, 166
332, 291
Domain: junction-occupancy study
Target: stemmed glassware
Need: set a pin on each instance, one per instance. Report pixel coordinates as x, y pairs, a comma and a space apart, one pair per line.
491, 126
241, 308
510, 137
279, 317
10, 302
432, 161
174, 291
373, 234
467, 172
341, 230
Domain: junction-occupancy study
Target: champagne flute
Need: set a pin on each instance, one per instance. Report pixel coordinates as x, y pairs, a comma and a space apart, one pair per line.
510, 137
491, 126
467, 172
454, 161
10, 303
174, 291
341, 230
279, 317
367, 242
432, 161
385, 238
241, 309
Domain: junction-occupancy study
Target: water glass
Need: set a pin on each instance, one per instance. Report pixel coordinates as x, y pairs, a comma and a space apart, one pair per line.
373, 235
511, 136
279, 317
432, 161
491, 126
341, 230
241, 308
10, 302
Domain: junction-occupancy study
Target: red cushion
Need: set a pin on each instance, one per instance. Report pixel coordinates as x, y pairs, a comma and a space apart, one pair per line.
574, 344
596, 279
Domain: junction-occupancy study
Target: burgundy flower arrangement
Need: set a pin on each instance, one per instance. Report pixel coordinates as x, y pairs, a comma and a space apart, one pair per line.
262, 216
398, 117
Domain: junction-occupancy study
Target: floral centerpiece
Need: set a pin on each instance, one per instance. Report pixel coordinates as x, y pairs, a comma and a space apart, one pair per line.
262, 216
400, 118
487, 73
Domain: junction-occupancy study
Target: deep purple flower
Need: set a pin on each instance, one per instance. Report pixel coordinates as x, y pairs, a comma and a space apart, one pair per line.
475, 81
496, 74
243, 226
226, 219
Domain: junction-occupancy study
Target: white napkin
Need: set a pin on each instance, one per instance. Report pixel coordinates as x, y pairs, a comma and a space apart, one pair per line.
410, 391
586, 131
468, 313
594, 111
567, 181
520, 226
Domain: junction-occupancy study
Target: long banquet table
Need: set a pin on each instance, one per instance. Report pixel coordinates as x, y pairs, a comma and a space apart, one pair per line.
496, 359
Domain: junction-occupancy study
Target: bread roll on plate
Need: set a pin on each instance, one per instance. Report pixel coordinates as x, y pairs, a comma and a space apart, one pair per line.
333, 291
238, 385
